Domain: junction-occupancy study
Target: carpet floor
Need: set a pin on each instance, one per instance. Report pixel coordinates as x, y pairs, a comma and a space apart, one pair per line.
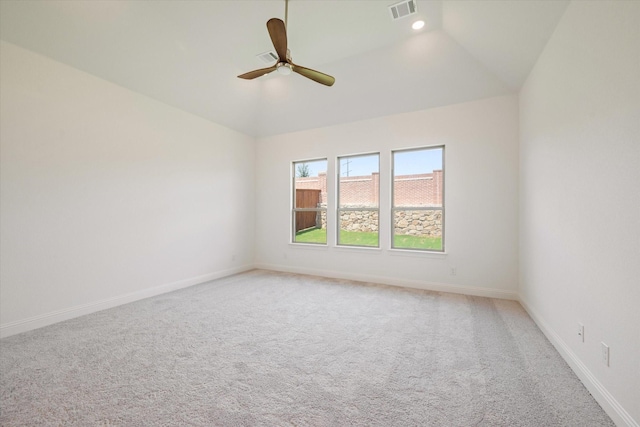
275, 349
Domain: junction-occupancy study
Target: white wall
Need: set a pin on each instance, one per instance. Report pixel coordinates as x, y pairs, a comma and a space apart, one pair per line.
481, 175
109, 196
580, 197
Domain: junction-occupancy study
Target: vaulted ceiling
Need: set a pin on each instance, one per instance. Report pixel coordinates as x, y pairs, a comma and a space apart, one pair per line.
188, 53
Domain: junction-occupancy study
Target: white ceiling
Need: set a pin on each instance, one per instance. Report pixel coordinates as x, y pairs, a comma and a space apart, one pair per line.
188, 53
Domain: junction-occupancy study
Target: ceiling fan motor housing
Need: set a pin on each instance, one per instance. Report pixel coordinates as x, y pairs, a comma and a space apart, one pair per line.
278, 33
284, 68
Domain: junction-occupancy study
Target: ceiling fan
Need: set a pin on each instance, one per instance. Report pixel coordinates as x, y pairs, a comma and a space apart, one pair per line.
278, 33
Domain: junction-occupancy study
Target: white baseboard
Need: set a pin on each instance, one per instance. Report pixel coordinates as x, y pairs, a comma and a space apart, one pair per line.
610, 405
416, 284
46, 319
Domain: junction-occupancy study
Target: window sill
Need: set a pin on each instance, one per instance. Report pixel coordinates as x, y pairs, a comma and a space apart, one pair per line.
312, 246
363, 249
417, 254
371, 250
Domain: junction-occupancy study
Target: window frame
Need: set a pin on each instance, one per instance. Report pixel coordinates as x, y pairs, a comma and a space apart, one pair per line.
293, 201
339, 209
417, 208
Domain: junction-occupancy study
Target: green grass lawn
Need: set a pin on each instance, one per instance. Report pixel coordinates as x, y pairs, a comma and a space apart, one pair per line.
356, 238
413, 242
313, 235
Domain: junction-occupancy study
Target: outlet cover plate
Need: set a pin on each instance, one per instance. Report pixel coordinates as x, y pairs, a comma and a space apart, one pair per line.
581, 331
605, 354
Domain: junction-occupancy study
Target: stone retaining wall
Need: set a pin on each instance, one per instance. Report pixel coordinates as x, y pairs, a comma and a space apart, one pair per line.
418, 223
422, 223
359, 221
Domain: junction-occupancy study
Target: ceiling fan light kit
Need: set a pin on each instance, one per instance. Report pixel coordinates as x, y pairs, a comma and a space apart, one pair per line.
278, 33
283, 68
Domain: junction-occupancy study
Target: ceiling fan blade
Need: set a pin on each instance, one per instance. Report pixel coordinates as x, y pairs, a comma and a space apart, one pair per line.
314, 75
278, 34
257, 73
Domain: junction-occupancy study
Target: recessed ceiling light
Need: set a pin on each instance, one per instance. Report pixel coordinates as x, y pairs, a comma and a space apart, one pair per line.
417, 25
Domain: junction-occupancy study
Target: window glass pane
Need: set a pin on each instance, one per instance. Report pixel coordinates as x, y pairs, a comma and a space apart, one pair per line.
317, 233
310, 192
418, 195
358, 200
358, 228
419, 229
417, 178
359, 181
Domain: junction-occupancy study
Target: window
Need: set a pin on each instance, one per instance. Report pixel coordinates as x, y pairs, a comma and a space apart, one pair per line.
309, 213
358, 200
418, 199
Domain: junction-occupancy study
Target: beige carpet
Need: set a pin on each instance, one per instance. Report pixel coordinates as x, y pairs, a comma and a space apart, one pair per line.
276, 349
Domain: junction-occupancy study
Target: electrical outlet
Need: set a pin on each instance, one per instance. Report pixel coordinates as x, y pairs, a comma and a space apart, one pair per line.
581, 331
454, 271
605, 354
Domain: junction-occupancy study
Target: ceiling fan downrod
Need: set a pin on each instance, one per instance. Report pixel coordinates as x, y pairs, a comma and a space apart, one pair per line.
286, 12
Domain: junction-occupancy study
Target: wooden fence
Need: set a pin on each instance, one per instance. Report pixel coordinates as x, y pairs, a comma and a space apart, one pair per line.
306, 198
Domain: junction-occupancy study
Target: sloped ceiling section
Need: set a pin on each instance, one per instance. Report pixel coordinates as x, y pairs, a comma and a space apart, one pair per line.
188, 53
424, 71
507, 37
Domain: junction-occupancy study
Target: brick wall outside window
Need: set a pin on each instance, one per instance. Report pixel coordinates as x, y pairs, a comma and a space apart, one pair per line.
410, 190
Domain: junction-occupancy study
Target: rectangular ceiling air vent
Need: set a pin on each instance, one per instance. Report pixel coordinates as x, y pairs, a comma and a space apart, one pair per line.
402, 9
268, 57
